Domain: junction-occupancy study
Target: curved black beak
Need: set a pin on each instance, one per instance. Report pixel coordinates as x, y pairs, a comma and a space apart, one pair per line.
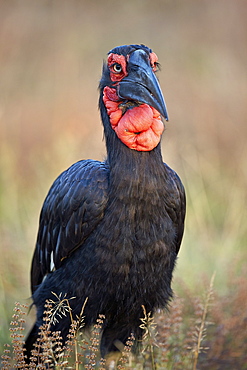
141, 84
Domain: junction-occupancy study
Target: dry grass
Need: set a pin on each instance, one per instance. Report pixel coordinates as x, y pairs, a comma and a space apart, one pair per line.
177, 340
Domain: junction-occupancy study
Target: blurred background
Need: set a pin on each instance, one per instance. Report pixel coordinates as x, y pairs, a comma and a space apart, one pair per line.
51, 54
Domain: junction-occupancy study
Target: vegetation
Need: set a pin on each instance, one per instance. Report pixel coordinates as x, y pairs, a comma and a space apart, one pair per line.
198, 339
51, 57
176, 348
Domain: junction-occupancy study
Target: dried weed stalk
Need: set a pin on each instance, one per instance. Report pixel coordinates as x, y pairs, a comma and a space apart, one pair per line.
200, 330
148, 339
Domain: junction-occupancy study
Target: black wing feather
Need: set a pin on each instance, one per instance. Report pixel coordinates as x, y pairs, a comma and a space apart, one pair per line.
72, 209
177, 206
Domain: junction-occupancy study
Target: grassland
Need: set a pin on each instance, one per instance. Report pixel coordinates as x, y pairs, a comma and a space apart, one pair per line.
51, 57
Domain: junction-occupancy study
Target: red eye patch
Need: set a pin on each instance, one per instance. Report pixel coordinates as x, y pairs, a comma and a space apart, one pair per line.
116, 59
153, 61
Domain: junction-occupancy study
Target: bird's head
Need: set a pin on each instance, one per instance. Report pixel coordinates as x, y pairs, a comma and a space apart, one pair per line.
130, 95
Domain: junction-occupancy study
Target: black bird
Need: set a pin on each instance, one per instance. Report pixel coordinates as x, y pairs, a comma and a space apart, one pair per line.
111, 230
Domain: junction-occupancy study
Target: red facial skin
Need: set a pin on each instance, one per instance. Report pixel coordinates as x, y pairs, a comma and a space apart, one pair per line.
140, 127
111, 61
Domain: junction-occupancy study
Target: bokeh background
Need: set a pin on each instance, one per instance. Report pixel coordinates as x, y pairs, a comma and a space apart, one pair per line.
51, 54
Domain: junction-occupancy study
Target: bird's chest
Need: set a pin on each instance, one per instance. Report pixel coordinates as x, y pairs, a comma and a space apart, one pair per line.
135, 237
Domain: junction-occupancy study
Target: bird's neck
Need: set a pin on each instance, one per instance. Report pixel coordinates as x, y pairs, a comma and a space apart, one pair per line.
135, 173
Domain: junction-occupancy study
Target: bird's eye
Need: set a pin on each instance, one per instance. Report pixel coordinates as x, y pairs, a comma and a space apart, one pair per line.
117, 68
156, 66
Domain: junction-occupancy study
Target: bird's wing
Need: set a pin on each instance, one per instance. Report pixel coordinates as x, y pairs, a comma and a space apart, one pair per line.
72, 209
177, 207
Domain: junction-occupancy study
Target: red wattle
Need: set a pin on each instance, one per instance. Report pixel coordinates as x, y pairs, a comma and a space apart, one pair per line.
140, 128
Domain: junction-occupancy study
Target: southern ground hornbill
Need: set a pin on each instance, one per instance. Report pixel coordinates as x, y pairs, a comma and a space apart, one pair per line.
110, 231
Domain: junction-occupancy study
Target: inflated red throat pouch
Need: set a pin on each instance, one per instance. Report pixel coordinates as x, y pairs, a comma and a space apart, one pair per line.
139, 127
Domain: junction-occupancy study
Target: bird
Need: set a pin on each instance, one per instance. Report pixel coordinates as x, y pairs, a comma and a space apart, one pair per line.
110, 232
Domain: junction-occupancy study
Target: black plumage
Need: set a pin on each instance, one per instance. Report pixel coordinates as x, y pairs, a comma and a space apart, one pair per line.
111, 231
